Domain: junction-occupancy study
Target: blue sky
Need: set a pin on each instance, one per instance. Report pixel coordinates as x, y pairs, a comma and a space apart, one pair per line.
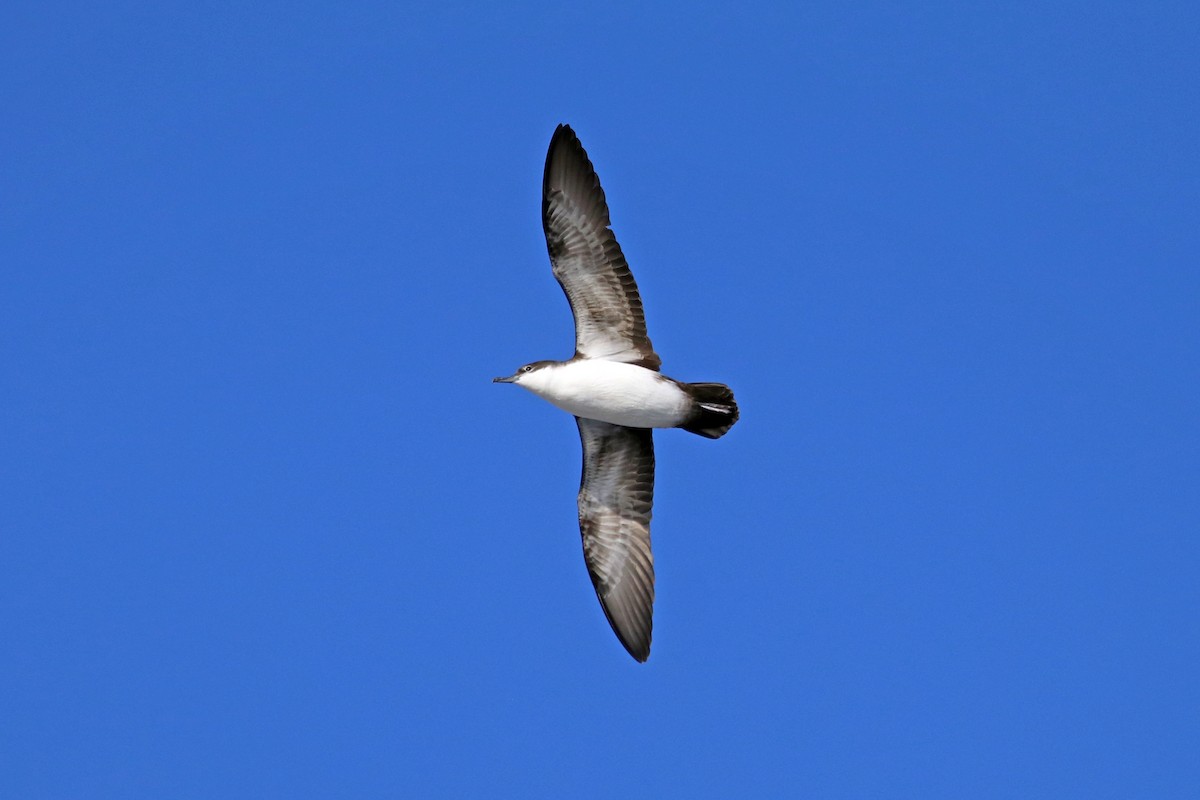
268, 530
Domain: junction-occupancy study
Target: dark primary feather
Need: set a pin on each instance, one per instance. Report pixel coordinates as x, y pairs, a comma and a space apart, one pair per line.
587, 261
616, 494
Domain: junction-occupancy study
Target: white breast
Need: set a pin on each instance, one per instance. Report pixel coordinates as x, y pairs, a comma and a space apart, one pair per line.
610, 391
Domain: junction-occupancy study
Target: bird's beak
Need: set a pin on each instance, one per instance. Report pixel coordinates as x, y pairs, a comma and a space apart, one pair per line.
510, 379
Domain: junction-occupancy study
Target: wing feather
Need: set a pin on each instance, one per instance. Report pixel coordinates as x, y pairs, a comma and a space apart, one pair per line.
588, 262
616, 495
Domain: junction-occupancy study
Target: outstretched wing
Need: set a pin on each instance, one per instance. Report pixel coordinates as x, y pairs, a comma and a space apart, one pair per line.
587, 261
615, 499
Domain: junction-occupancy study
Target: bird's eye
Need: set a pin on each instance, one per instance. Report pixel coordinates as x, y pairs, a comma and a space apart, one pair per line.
527, 368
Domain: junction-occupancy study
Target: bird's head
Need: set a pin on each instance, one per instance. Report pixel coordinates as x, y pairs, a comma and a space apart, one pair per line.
529, 376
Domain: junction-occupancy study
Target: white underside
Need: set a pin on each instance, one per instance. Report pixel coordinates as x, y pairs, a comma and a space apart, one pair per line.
610, 391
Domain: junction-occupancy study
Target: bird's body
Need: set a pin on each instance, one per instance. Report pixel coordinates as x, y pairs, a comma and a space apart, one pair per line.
611, 391
615, 390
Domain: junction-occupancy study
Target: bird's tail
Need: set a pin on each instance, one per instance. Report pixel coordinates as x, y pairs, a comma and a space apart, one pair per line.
713, 409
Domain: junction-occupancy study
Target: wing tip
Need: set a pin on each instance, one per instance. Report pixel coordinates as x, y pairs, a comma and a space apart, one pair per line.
639, 649
563, 131
635, 642
564, 137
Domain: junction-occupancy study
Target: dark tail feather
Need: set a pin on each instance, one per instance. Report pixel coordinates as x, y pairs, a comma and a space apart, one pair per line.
713, 411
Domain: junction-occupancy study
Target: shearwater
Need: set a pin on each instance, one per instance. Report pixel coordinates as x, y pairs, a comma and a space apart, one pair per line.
615, 390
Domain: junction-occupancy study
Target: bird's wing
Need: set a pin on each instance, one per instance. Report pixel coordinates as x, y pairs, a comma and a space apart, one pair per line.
587, 260
615, 499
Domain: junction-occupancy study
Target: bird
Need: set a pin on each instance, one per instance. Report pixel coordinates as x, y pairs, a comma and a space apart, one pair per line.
615, 389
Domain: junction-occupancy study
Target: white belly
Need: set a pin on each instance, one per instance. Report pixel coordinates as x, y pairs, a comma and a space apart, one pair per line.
610, 391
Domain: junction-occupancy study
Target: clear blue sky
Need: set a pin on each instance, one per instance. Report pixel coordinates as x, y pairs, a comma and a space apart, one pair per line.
268, 530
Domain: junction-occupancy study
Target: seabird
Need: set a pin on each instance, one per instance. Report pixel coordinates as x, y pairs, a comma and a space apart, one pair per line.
615, 390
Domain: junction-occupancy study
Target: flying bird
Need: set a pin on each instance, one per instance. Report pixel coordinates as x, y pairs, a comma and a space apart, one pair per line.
614, 388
